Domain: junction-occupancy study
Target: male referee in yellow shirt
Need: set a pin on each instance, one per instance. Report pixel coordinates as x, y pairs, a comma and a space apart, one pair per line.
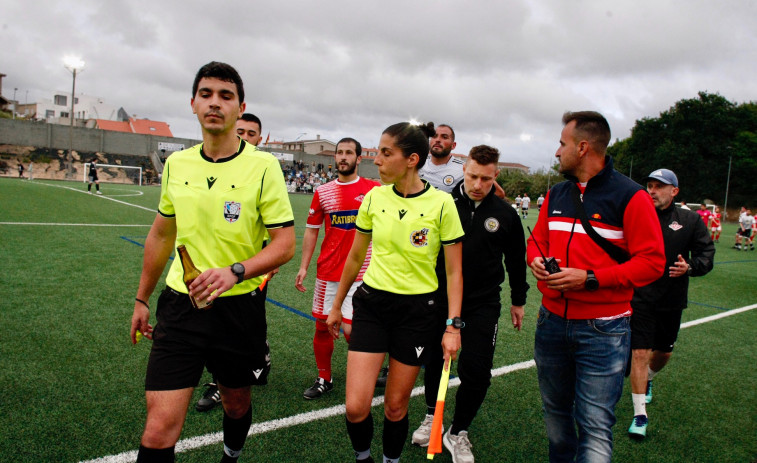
218, 199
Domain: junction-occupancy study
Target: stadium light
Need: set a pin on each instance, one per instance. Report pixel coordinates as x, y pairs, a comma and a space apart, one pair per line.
74, 64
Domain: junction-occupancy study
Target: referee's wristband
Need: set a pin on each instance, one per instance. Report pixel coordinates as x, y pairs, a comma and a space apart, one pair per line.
143, 302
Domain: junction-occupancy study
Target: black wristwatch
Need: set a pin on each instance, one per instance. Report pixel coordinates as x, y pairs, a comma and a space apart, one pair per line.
591, 281
456, 322
238, 270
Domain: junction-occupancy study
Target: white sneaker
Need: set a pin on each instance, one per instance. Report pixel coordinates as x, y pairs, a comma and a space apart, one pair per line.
422, 435
99, 192
459, 446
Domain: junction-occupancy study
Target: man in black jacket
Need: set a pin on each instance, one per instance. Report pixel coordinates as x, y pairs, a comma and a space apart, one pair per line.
493, 233
657, 307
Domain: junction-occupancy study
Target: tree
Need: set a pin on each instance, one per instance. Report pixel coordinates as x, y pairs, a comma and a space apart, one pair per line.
695, 138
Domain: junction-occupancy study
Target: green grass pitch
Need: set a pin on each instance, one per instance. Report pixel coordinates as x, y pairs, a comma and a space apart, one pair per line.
72, 383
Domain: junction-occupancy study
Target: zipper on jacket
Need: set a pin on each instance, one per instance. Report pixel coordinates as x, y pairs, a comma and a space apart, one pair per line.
567, 252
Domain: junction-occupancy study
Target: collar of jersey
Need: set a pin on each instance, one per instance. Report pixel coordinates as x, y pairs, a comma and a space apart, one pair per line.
426, 187
242, 144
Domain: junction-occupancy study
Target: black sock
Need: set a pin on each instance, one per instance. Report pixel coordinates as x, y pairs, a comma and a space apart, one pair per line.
89, 187
234, 434
148, 455
361, 433
395, 435
97, 185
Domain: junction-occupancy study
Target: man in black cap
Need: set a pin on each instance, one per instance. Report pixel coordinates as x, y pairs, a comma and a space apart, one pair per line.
657, 307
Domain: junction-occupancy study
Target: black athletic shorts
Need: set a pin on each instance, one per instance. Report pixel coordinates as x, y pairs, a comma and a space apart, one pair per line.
399, 324
745, 233
654, 328
230, 338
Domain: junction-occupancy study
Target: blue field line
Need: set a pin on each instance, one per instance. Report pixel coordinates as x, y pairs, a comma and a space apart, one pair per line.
291, 309
735, 262
711, 306
126, 238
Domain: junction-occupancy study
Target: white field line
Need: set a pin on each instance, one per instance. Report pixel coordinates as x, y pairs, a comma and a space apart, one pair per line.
99, 196
281, 423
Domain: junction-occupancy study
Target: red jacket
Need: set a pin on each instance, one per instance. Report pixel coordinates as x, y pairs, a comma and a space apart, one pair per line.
621, 211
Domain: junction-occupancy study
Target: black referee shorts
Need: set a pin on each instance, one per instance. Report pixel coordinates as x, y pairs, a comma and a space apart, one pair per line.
230, 338
400, 324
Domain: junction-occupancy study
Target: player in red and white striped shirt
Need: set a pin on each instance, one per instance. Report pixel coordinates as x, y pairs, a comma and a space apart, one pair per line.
335, 205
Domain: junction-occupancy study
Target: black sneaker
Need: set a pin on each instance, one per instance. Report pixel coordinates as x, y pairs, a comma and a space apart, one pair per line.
318, 388
381, 380
210, 399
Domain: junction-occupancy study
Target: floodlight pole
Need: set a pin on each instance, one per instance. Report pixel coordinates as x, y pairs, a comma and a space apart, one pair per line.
70, 157
14, 102
73, 65
727, 185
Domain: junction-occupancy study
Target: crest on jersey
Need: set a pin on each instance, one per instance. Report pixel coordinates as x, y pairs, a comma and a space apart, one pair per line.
419, 238
231, 210
311, 211
675, 226
448, 179
491, 224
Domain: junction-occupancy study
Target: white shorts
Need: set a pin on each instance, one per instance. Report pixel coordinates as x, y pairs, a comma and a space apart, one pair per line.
323, 299
717, 229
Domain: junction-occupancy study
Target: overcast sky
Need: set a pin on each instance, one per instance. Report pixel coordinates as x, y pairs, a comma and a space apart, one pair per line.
500, 72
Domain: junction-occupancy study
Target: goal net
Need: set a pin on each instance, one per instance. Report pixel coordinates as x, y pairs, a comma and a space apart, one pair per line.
111, 173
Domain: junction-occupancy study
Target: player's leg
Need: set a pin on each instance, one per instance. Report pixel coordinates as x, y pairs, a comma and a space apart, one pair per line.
89, 185
362, 371
670, 324
323, 342
237, 418
601, 352
166, 411
367, 349
399, 384
238, 357
173, 369
643, 328
97, 186
474, 365
413, 329
556, 372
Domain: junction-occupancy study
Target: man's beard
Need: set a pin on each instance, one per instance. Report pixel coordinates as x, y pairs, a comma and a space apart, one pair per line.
349, 169
443, 154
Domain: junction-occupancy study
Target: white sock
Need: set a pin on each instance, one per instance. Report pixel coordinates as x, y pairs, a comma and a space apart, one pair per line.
639, 404
651, 373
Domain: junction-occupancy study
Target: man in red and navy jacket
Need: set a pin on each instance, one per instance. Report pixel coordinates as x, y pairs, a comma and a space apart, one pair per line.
583, 330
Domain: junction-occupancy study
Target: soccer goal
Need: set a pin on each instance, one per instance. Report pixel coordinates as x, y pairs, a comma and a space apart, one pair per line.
112, 173
695, 206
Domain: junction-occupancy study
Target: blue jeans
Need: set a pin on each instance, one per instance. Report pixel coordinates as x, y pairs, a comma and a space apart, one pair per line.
581, 365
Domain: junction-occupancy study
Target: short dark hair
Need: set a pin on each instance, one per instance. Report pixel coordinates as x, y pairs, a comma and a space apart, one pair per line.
358, 148
249, 117
220, 71
450, 129
484, 155
411, 138
591, 126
